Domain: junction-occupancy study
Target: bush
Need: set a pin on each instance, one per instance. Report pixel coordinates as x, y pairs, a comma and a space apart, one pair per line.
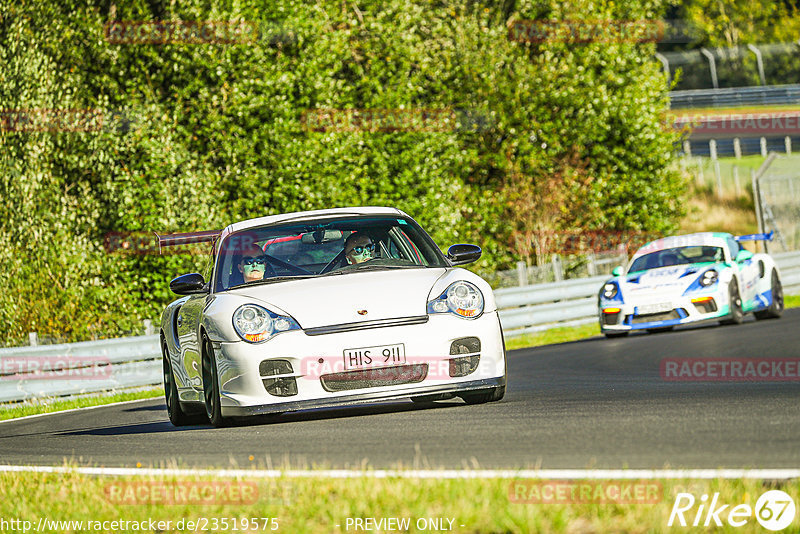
549, 137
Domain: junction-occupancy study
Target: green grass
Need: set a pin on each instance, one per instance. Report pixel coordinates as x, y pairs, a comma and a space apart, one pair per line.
704, 172
48, 405
554, 335
318, 504
791, 301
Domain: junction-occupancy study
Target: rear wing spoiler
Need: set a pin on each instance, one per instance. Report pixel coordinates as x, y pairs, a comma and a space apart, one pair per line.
187, 238
755, 237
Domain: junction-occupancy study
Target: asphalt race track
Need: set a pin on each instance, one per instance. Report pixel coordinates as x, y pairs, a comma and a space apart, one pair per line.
596, 403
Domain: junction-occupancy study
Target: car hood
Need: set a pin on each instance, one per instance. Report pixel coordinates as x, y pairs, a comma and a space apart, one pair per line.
672, 280
337, 299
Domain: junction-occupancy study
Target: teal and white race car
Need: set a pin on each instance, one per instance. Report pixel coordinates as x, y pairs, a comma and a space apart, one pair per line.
688, 279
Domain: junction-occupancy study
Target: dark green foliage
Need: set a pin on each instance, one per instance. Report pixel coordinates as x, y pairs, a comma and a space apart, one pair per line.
553, 136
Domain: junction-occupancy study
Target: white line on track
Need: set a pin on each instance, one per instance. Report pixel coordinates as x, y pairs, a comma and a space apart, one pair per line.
561, 474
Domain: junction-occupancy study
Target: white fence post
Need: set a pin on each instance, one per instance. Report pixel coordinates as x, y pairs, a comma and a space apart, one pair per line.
33, 339
558, 272
522, 273
148, 327
591, 265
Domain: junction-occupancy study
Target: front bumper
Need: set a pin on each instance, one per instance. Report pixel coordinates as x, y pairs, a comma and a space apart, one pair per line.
663, 311
311, 364
362, 398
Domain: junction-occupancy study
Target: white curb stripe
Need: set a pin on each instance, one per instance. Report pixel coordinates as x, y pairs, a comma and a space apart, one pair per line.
562, 474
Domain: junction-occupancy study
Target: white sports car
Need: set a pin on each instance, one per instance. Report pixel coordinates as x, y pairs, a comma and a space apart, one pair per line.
688, 279
327, 308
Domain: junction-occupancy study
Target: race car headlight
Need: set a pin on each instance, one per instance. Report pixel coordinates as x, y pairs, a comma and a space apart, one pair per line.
610, 290
256, 324
460, 298
709, 278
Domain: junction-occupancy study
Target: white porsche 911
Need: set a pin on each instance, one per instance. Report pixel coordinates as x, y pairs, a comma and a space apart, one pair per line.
688, 279
327, 308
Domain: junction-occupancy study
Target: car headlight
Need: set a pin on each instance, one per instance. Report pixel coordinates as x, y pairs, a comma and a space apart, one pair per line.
460, 298
610, 290
709, 278
256, 324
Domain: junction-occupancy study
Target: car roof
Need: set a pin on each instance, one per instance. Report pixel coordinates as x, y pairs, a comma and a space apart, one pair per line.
313, 214
711, 239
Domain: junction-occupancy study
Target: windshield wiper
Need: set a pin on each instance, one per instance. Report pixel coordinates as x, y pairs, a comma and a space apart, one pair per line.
276, 279
371, 267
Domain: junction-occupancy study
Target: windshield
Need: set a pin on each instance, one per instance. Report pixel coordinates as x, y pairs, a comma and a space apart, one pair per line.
677, 256
325, 247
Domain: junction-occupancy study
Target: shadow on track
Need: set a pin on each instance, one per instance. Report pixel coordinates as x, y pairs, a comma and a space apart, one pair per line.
319, 414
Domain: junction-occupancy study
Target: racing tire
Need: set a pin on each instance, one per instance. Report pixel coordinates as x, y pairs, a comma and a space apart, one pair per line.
211, 386
737, 314
612, 335
775, 308
177, 416
485, 395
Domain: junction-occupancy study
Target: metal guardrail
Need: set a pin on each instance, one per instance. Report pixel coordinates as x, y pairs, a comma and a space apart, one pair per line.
75, 368
735, 97
112, 364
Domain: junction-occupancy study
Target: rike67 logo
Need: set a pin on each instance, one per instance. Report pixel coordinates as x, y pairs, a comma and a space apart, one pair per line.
774, 510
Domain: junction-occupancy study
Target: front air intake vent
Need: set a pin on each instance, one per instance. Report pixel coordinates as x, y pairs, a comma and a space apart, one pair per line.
275, 367
465, 345
285, 386
377, 377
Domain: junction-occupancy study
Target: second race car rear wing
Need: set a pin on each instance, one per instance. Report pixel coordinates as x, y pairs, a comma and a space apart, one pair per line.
755, 237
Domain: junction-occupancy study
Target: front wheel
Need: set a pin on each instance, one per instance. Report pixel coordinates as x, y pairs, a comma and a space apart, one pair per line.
775, 308
211, 386
737, 314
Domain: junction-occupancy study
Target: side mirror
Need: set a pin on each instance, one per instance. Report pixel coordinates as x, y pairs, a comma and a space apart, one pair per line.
188, 284
463, 254
743, 255
617, 270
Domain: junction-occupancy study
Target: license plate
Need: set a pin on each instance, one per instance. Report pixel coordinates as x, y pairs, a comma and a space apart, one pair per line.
660, 307
377, 356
